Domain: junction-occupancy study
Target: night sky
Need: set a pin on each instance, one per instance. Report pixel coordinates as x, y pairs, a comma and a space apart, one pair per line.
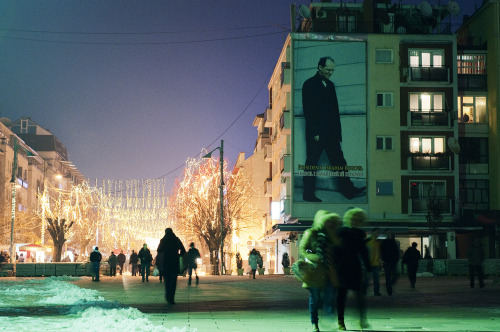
134, 88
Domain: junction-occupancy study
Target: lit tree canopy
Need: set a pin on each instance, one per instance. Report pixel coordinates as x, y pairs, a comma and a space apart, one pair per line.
195, 203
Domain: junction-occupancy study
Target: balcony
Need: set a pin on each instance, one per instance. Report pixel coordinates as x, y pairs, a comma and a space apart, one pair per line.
285, 122
268, 152
429, 74
419, 205
268, 187
285, 73
268, 118
429, 118
421, 162
472, 83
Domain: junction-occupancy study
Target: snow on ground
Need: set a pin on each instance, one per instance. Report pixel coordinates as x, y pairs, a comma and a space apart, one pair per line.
54, 304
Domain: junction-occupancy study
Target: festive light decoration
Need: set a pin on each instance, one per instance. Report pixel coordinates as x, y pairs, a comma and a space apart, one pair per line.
195, 202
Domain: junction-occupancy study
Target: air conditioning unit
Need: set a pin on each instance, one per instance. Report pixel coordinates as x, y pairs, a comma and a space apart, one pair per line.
321, 14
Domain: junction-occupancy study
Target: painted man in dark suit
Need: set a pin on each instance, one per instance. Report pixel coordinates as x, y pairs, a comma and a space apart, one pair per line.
324, 130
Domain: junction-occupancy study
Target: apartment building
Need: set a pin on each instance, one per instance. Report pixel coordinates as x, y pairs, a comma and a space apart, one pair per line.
479, 126
401, 113
33, 159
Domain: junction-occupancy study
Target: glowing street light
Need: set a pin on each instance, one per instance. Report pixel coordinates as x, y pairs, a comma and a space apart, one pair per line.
221, 162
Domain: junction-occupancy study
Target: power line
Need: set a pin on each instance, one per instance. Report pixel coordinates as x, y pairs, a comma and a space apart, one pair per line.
142, 43
139, 33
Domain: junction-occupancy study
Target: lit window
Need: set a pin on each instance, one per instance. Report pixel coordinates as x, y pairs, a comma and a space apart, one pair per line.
427, 145
471, 64
426, 58
472, 109
426, 102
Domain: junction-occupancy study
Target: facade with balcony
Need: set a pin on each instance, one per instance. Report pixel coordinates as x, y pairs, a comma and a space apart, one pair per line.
415, 106
479, 126
40, 160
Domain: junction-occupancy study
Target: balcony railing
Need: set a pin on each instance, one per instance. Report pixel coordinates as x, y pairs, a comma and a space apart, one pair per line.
429, 74
472, 83
430, 162
429, 118
419, 205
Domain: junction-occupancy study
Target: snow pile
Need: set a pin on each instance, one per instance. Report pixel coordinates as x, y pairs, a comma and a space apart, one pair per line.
69, 308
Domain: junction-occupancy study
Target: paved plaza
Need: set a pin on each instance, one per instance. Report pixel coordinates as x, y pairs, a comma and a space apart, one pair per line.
278, 303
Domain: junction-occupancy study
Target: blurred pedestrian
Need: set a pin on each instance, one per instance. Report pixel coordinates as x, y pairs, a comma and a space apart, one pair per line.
476, 257
411, 258
373, 245
317, 246
252, 261
133, 260
172, 249
192, 255
389, 252
146, 259
121, 261
158, 263
95, 259
112, 261
351, 258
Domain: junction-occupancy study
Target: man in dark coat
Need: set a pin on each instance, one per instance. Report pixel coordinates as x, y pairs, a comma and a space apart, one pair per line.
172, 248
146, 259
323, 130
350, 258
95, 259
411, 258
134, 259
192, 255
389, 252
112, 261
121, 261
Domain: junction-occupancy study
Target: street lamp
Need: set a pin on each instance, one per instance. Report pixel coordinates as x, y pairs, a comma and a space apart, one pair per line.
221, 162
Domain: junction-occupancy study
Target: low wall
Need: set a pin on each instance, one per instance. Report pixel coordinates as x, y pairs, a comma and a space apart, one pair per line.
52, 269
443, 267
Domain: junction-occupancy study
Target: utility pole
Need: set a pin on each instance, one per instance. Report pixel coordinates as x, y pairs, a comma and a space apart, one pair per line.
13, 181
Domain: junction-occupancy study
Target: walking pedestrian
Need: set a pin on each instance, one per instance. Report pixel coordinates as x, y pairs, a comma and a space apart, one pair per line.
317, 246
351, 257
252, 261
112, 261
192, 255
146, 259
411, 258
133, 260
95, 258
158, 263
172, 249
121, 261
373, 245
389, 252
476, 257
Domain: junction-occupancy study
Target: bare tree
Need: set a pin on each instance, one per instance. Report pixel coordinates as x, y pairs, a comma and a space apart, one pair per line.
58, 228
195, 205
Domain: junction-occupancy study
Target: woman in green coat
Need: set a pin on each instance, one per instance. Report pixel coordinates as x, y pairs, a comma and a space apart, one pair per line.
317, 246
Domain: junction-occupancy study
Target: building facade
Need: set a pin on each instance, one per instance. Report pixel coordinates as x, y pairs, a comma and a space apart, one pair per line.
401, 104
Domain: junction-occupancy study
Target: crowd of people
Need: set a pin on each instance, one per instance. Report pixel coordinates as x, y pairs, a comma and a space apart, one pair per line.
171, 259
344, 259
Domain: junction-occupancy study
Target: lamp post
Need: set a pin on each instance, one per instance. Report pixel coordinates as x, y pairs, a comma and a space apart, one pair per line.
221, 198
